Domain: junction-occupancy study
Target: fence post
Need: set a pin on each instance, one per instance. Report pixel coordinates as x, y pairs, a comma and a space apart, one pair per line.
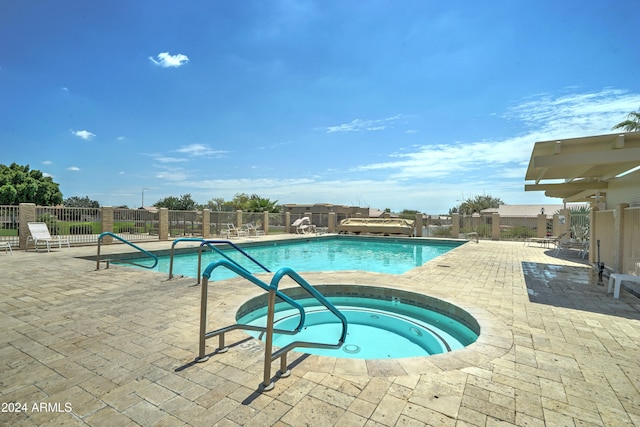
206, 223
26, 214
239, 218
287, 221
265, 222
541, 226
331, 222
455, 225
418, 225
163, 224
107, 217
495, 226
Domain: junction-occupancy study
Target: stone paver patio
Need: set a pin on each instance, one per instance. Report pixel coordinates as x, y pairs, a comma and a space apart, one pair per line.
115, 347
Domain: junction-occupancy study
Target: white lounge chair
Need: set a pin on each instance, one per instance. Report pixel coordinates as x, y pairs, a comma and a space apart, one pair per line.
40, 235
616, 279
303, 225
6, 245
252, 229
232, 231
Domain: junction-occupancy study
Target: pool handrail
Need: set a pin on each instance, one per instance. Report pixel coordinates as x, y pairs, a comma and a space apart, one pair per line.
209, 243
123, 240
204, 335
282, 352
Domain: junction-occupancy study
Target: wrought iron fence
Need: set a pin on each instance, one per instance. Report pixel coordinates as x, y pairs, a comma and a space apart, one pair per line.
9, 224
185, 223
218, 221
81, 225
136, 225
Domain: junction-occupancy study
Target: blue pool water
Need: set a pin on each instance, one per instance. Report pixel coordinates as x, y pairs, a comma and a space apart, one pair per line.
393, 256
377, 329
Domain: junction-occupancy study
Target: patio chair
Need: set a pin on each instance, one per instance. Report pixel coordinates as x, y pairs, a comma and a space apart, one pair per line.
616, 279
232, 231
6, 245
252, 229
303, 225
40, 235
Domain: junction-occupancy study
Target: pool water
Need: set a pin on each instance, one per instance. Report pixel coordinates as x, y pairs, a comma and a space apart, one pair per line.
392, 256
377, 329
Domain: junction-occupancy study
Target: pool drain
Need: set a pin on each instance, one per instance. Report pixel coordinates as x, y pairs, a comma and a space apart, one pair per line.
351, 348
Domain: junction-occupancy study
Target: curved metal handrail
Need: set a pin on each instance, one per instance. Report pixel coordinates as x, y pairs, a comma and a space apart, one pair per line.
108, 233
275, 281
209, 244
206, 275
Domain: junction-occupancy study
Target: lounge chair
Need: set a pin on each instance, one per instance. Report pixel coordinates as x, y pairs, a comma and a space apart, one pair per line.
252, 229
303, 225
232, 231
616, 279
40, 235
6, 245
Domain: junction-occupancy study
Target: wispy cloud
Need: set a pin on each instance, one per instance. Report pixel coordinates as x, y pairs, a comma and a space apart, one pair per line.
47, 162
200, 150
73, 168
84, 134
359, 125
546, 117
165, 60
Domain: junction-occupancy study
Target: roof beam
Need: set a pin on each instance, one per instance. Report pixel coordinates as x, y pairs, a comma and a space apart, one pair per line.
568, 186
623, 155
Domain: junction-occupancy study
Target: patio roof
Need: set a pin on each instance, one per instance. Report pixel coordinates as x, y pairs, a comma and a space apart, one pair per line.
580, 169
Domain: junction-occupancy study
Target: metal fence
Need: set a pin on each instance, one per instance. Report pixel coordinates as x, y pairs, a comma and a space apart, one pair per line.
9, 224
135, 225
185, 223
80, 225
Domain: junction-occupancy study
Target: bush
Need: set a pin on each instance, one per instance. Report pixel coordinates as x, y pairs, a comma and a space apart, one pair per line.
81, 229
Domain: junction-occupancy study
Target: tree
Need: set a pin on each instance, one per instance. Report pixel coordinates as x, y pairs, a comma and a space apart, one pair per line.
632, 124
19, 184
260, 204
477, 204
81, 202
184, 203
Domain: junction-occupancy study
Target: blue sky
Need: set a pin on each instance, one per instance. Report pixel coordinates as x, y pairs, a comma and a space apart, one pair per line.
387, 104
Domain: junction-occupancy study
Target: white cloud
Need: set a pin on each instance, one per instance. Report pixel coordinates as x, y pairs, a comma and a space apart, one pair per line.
121, 138
165, 60
546, 117
200, 150
47, 162
84, 134
359, 125
73, 168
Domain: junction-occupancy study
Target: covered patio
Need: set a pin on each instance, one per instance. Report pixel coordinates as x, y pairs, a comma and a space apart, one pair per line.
603, 170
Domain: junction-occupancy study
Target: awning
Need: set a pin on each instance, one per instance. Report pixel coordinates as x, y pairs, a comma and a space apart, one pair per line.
580, 169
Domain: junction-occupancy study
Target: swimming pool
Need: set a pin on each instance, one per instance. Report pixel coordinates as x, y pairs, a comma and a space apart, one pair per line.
340, 253
383, 323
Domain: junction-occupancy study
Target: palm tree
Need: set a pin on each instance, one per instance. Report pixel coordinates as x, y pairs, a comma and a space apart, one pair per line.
632, 124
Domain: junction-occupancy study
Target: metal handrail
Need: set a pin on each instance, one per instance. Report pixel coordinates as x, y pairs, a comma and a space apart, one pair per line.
204, 335
269, 357
108, 233
209, 243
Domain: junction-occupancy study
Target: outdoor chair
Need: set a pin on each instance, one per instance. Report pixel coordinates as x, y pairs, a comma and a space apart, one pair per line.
303, 225
616, 279
252, 229
232, 231
6, 246
40, 235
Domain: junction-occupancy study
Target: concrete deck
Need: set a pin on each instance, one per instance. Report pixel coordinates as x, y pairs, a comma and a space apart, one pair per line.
116, 347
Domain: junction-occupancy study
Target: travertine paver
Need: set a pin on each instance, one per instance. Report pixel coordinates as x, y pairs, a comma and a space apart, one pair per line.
117, 347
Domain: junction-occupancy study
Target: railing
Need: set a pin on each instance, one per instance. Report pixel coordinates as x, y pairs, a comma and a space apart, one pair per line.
115, 236
269, 357
209, 244
9, 224
269, 329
